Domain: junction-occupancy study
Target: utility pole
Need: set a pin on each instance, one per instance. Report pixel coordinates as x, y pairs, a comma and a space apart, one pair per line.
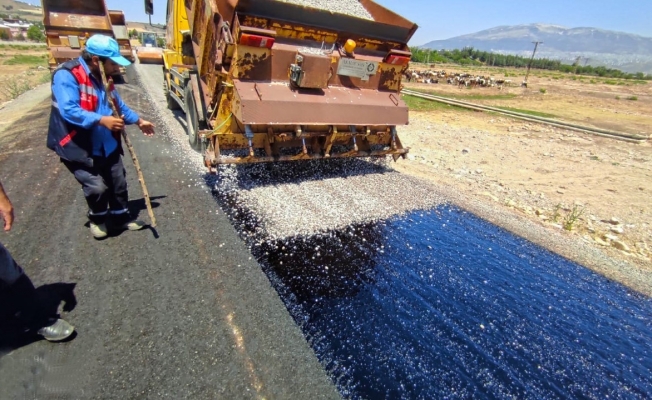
576, 64
529, 65
428, 58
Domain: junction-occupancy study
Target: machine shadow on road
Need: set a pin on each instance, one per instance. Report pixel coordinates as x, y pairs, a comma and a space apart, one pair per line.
50, 297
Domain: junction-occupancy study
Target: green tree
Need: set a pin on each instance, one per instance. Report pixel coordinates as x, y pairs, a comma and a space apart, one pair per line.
4, 34
35, 34
20, 36
471, 56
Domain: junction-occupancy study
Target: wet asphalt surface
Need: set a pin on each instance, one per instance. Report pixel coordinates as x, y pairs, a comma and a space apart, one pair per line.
183, 311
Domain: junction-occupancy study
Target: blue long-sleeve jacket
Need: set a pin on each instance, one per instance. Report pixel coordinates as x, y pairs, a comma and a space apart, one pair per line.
66, 92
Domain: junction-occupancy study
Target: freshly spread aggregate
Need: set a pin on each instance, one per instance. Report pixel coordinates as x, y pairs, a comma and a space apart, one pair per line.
347, 7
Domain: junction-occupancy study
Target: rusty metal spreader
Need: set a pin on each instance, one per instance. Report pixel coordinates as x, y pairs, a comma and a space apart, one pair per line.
265, 80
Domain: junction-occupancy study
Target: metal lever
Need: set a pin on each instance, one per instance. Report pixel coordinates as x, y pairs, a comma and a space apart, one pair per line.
354, 132
250, 135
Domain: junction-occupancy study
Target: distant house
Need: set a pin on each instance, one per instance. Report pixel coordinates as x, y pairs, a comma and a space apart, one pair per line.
6, 30
15, 26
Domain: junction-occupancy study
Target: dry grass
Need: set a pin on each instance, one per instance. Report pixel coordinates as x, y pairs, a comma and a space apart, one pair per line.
568, 97
21, 69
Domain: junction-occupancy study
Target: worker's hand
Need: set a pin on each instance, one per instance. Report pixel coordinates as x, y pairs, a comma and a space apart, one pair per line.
146, 127
6, 209
7, 213
112, 123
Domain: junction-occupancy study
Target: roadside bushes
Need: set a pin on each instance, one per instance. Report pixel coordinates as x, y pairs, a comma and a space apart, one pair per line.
471, 56
14, 88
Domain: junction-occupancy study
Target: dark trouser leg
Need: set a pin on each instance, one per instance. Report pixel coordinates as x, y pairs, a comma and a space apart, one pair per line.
20, 302
117, 176
10, 271
96, 190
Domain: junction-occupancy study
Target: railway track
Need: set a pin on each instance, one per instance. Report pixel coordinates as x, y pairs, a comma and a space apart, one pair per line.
559, 124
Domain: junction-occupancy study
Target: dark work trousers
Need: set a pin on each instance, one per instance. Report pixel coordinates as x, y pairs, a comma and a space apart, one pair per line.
104, 185
20, 306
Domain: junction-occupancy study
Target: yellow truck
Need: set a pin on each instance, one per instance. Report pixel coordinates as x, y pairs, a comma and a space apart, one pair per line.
68, 23
268, 80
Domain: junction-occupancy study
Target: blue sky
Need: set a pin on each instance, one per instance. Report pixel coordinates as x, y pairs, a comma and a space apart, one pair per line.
446, 19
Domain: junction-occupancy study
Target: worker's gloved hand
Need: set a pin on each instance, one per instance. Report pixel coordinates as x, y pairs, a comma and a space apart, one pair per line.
146, 127
112, 123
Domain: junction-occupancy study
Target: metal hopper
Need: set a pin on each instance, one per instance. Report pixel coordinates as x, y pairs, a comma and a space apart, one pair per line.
68, 23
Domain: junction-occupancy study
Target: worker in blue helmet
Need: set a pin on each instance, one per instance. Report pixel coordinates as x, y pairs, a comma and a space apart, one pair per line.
86, 136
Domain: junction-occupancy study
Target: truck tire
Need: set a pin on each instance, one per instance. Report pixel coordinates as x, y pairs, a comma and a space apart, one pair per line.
193, 126
172, 103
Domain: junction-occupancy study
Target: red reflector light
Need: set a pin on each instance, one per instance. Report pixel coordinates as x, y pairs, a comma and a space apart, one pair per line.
397, 60
256, 40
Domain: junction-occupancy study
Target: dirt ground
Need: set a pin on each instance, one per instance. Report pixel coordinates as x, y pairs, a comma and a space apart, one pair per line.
23, 66
578, 183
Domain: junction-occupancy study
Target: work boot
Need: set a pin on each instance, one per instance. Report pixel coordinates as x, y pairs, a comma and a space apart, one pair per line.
126, 222
58, 331
99, 231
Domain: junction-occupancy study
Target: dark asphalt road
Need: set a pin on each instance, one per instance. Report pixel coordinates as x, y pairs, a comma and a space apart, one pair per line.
175, 317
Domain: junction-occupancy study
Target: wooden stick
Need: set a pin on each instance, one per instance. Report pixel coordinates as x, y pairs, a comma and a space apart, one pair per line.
132, 152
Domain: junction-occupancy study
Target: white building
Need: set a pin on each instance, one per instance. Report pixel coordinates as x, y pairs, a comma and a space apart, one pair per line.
15, 26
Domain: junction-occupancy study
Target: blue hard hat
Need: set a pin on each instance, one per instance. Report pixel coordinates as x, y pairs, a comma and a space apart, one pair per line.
105, 46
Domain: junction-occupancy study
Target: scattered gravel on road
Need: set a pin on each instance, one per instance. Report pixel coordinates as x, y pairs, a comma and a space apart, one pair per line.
323, 195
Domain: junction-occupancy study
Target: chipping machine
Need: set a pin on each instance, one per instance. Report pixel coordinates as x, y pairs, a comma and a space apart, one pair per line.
266, 80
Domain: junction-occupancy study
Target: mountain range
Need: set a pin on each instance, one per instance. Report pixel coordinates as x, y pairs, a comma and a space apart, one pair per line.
625, 51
